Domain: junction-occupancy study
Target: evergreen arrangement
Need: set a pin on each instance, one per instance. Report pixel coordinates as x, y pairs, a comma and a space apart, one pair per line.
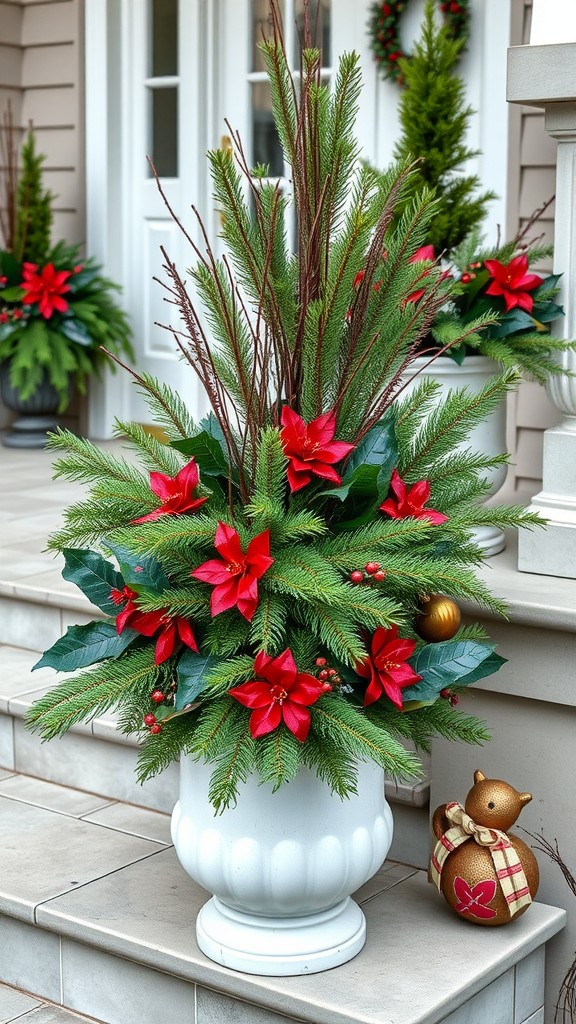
434, 118
56, 310
264, 574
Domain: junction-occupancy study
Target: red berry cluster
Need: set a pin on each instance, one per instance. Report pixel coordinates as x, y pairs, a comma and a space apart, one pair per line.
157, 697
326, 673
448, 695
384, 30
371, 571
469, 274
8, 314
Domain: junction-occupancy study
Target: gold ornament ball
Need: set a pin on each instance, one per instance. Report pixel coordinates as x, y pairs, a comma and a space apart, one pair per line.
439, 618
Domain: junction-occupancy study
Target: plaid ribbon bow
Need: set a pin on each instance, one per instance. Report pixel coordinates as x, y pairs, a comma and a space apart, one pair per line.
509, 870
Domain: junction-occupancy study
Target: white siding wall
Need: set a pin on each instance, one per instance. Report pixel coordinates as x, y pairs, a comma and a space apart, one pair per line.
532, 168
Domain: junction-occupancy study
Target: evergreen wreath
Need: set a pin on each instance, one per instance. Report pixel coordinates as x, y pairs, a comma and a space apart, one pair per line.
384, 28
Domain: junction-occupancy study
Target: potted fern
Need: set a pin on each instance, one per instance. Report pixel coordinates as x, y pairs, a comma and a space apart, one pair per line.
279, 582
56, 309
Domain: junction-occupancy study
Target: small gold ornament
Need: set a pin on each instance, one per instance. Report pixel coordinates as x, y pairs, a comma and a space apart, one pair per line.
439, 618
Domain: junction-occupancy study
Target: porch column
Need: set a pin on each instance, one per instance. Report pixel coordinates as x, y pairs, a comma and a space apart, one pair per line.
542, 74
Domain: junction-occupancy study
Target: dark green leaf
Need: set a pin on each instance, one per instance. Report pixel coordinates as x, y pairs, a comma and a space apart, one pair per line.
94, 576
442, 664
514, 321
140, 571
545, 312
486, 668
75, 331
86, 645
207, 452
192, 672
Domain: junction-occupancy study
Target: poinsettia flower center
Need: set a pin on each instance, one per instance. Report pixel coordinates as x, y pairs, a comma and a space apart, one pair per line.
236, 568
278, 693
387, 665
309, 447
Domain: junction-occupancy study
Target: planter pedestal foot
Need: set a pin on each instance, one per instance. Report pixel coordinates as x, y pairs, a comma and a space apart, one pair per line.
29, 432
490, 538
280, 946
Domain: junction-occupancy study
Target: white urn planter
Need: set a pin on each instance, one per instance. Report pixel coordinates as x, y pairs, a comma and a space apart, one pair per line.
281, 867
488, 437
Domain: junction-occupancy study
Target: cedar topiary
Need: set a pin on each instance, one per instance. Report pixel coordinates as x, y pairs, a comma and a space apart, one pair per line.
33, 208
434, 117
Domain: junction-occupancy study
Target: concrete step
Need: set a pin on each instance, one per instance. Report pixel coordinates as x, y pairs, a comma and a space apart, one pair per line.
98, 917
97, 757
16, 1005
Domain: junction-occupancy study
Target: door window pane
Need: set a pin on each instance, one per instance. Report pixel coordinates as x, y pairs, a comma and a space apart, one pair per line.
164, 131
319, 18
163, 23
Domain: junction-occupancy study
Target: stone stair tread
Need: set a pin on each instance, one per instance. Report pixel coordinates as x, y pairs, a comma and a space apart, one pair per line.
16, 1005
88, 877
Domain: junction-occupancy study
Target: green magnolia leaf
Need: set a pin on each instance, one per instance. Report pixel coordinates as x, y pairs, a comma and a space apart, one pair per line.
94, 576
86, 645
547, 311
442, 664
193, 670
367, 478
207, 452
514, 321
486, 668
549, 285
140, 571
14, 294
75, 331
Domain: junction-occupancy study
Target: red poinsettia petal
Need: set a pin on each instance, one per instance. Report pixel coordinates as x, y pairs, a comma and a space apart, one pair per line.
282, 671
150, 517
59, 303
403, 675
291, 421
321, 430
436, 518
496, 269
265, 720
418, 494
213, 571
165, 643
122, 620
392, 690
382, 639
397, 485
258, 553
521, 299
227, 543
325, 472
261, 662
396, 649
334, 452
495, 288
163, 486
224, 596
390, 507
296, 479
253, 694
364, 668
247, 597
147, 623
306, 689
188, 478
425, 252
296, 719
517, 268
373, 691
185, 633
415, 296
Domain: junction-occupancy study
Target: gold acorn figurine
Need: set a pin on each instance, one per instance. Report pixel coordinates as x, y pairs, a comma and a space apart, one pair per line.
485, 874
439, 618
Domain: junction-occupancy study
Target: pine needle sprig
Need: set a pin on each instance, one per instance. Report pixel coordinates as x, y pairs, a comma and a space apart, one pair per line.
154, 454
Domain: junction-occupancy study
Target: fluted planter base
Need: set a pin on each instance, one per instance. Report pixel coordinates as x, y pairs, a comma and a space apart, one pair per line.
282, 866
281, 946
36, 415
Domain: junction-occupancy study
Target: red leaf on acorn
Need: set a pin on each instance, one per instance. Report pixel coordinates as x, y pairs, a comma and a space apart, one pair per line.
410, 501
176, 493
234, 576
512, 282
386, 666
282, 695
311, 448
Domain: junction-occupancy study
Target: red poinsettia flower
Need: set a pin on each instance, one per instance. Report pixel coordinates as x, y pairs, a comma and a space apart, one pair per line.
386, 666
46, 287
172, 627
235, 576
425, 252
410, 501
311, 448
176, 493
513, 282
283, 696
